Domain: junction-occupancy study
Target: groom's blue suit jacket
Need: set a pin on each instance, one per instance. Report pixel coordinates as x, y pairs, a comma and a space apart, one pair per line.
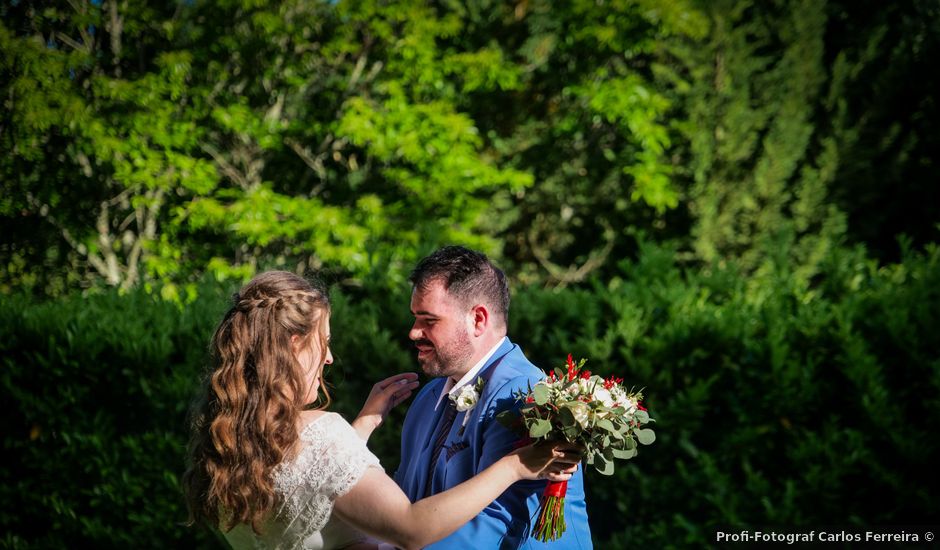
507, 522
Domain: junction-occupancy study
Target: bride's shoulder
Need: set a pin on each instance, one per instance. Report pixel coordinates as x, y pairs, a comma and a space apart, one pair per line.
328, 439
314, 424
309, 417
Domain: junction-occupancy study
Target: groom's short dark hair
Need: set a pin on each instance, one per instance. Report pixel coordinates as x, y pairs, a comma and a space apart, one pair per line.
467, 275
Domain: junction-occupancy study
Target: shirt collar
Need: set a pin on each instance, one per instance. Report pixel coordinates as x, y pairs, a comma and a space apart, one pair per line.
451, 388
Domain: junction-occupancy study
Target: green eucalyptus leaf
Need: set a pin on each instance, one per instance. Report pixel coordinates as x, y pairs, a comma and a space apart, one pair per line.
541, 393
566, 416
645, 436
603, 465
606, 425
580, 411
540, 428
624, 454
571, 432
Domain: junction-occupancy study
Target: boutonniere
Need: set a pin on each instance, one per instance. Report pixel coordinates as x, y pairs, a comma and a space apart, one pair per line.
466, 399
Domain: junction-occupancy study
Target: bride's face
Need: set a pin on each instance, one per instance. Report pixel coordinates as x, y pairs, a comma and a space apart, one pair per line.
309, 354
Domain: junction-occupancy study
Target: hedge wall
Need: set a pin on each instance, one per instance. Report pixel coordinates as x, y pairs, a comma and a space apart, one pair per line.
779, 401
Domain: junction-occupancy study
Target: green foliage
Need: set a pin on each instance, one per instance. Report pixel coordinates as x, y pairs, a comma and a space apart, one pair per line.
762, 162
777, 403
99, 390
773, 399
228, 138
587, 120
149, 145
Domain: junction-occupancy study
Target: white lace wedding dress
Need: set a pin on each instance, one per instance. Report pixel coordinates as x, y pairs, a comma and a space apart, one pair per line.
332, 460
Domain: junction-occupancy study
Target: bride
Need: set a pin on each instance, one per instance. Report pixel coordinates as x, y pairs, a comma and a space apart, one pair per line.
272, 472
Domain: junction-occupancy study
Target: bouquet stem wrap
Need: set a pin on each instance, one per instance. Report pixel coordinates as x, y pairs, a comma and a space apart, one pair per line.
551, 523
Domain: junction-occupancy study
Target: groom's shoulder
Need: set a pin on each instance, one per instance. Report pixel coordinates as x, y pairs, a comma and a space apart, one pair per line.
516, 371
424, 402
430, 391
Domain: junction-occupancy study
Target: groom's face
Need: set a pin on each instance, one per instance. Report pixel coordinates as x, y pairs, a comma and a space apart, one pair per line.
441, 331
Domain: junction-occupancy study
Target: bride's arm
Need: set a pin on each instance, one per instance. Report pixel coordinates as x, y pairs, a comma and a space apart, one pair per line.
378, 507
384, 395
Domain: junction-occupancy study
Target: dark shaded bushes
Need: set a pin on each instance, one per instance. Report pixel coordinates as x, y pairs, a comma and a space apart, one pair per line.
779, 401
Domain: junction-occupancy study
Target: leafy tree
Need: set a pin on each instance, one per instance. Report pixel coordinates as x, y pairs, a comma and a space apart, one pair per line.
236, 136
781, 105
572, 100
100, 140
888, 178
761, 167
149, 145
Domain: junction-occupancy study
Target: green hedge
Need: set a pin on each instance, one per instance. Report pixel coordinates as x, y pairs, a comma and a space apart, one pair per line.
778, 401
98, 390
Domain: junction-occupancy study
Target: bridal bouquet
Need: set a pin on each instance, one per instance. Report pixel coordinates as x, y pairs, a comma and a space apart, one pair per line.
596, 413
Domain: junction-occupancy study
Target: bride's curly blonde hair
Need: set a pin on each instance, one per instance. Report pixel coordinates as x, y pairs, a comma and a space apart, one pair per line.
245, 421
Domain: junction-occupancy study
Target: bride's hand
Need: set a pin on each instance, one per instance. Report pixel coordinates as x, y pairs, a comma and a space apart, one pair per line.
384, 395
553, 461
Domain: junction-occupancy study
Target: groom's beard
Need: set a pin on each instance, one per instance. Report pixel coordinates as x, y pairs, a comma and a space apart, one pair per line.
447, 359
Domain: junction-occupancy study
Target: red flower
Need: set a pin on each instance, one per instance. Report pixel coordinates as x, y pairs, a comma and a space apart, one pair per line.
640, 406
586, 374
572, 369
530, 399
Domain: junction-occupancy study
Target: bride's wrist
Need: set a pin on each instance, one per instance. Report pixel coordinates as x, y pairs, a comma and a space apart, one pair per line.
365, 424
515, 465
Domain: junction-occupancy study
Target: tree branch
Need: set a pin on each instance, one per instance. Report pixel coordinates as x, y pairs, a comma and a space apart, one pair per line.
315, 162
74, 44
226, 167
45, 211
563, 276
115, 28
146, 231
112, 272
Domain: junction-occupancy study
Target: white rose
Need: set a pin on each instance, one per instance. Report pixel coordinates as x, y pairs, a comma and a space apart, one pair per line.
580, 411
466, 398
618, 395
601, 394
629, 404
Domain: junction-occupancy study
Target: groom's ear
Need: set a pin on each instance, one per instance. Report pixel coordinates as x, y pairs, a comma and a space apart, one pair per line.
481, 318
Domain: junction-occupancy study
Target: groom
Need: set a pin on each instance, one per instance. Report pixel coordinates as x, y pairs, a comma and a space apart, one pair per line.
460, 302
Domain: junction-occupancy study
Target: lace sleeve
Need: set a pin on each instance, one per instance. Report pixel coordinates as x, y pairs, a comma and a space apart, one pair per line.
332, 460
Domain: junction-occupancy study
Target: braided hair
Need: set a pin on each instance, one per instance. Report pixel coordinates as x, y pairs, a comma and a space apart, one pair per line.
245, 421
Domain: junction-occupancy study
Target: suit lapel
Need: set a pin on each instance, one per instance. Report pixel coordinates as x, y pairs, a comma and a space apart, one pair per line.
434, 425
